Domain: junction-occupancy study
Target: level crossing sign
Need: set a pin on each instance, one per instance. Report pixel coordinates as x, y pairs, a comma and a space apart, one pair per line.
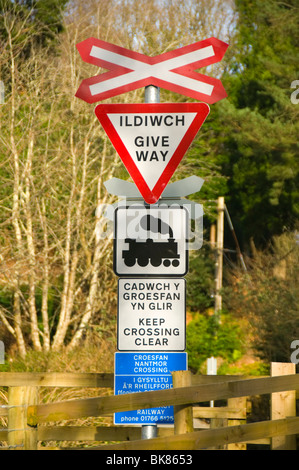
141, 372
151, 244
173, 70
151, 314
150, 241
151, 139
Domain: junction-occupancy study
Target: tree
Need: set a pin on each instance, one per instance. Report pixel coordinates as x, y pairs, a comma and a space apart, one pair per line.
267, 296
259, 121
207, 338
43, 20
54, 159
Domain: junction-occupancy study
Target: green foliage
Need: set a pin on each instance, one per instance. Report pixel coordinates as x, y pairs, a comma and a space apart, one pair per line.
206, 338
204, 160
200, 280
263, 166
43, 20
268, 294
252, 134
254, 369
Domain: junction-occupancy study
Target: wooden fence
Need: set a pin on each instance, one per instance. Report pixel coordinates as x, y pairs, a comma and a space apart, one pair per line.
29, 422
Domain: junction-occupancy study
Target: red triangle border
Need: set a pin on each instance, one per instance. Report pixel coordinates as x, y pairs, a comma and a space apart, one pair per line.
151, 196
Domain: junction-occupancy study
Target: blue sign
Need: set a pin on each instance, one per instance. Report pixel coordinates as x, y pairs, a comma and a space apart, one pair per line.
144, 372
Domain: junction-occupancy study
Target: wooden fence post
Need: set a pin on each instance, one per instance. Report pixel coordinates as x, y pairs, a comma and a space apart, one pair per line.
283, 405
183, 414
20, 435
237, 403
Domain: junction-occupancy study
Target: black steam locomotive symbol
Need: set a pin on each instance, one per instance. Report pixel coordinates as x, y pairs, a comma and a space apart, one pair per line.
155, 252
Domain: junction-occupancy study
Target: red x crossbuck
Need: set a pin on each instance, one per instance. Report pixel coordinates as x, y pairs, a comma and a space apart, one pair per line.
174, 70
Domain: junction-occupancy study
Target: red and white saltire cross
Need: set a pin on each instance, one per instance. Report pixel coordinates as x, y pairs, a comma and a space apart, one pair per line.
174, 70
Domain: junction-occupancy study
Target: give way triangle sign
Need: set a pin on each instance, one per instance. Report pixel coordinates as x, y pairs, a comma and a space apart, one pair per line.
151, 139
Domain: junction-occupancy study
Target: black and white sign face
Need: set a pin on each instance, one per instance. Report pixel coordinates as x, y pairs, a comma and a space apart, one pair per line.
151, 314
151, 241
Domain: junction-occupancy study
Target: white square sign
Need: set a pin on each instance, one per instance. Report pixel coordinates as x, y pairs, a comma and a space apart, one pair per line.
151, 241
151, 314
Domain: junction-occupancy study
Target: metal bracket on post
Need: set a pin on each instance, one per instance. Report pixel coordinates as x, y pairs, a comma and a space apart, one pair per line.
173, 193
129, 195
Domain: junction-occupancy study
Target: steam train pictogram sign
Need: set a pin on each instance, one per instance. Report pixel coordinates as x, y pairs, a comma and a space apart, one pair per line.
150, 241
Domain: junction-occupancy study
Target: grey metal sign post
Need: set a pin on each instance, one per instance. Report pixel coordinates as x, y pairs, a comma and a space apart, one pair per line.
151, 95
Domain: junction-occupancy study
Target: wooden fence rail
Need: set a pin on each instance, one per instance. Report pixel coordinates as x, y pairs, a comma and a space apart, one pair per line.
208, 438
100, 406
25, 414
